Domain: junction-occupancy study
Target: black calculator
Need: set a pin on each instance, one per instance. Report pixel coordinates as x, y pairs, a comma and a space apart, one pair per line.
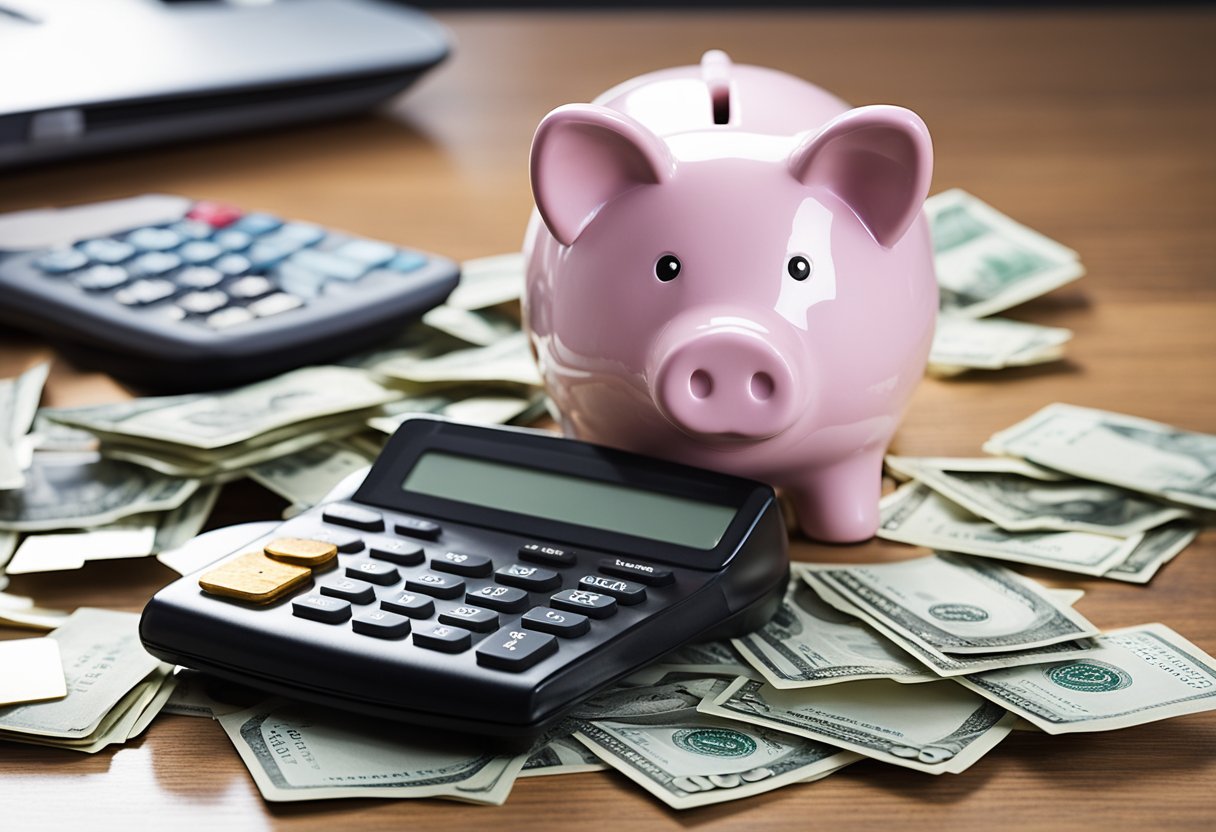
174, 294
485, 580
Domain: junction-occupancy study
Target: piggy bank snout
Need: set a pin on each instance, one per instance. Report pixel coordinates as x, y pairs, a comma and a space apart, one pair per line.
726, 383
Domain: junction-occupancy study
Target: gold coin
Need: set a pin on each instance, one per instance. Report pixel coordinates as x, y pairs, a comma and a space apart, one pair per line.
300, 551
255, 578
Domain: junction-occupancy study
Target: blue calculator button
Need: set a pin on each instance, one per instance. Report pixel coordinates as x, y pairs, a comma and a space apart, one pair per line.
232, 265
107, 250
368, 252
444, 638
101, 278
301, 233
154, 264
199, 252
154, 239
266, 253
232, 240
61, 261
192, 229
257, 224
407, 261
329, 264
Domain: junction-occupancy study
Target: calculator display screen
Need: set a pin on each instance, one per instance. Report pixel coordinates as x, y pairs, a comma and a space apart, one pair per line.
583, 502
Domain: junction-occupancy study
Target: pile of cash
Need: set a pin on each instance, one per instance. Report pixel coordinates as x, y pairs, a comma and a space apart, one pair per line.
140, 477
987, 263
1074, 489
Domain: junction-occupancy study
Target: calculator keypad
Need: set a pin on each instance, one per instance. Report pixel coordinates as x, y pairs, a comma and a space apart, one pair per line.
220, 268
511, 607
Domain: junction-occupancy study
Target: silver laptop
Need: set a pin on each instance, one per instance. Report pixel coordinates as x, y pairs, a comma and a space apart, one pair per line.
84, 76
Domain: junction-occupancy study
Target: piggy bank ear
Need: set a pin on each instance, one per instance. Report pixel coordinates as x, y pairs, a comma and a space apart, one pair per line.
876, 159
583, 157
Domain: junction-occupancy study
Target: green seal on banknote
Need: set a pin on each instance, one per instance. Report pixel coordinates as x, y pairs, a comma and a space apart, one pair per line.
958, 612
714, 742
1089, 676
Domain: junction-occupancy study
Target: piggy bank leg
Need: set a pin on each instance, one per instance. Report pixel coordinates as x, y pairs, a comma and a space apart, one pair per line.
839, 504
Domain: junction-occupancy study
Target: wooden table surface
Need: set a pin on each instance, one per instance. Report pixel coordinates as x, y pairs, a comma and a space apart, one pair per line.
1096, 128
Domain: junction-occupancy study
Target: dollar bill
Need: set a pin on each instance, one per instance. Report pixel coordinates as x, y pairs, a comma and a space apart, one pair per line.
209, 421
460, 405
18, 404
955, 605
986, 262
998, 490
176, 527
105, 666
1136, 675
305, 477
714, 658
478, 327
562, 755
73, 491
507, 362
937, 727
305, 752
703, 760
1144, 456
489, 281
957, 665
70, 550
808, 642
961, 344
916, 514
1158, 548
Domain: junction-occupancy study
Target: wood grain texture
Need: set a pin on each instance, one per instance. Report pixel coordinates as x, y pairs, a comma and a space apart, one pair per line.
1096, 128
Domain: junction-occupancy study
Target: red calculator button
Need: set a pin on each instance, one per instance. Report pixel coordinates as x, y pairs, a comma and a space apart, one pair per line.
215, 214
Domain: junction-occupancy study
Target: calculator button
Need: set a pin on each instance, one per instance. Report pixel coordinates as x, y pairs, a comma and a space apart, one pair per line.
101, 278
515, 648
231, 239
107, 250
474, 618
250, 286
154, 239
407, 261
302, 233
143, 292
202, 302
275, 304
199, 252
321, 608
409, 603
61, 261
255, 578
396, 551
198, 277
215, 214
627, 592
264, 254
639, 571
414, 527
440, 586
347, 542
532, 578
172, 313
539, 553
232, 265
329, 264
444, 638
375, 571
458, 563
501, 598
381, 624
257, 223
154, 264
230, 317
589, 603
297, 281
192, 229
353, 516
301, 551
368, 252
563, 624
348, 589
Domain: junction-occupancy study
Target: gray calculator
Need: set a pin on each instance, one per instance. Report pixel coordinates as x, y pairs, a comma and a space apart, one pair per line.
179, 295
481, 579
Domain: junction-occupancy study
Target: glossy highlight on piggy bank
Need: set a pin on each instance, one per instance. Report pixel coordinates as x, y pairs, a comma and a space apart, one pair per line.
729, 267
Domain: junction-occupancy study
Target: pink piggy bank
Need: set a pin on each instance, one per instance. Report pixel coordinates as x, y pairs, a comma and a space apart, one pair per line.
728, 267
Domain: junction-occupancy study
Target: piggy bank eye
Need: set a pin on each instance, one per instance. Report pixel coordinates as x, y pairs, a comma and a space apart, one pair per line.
798, 267
667, 267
